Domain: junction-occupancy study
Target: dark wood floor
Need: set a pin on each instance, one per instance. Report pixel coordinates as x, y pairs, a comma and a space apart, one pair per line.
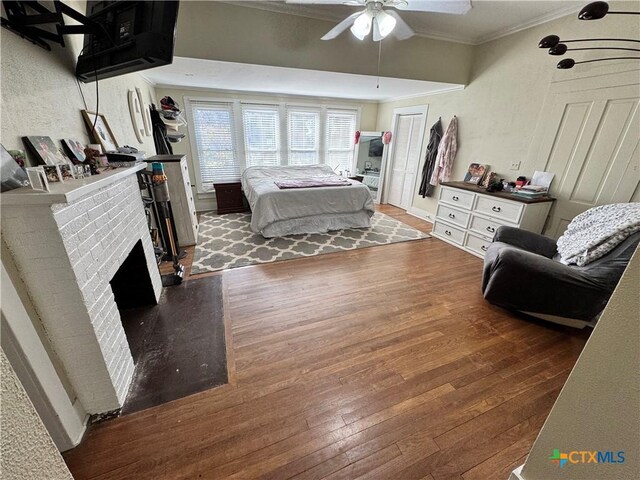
382, 363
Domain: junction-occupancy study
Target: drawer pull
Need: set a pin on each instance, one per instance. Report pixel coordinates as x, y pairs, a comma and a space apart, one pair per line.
455, 199
484, 248
447, 232
496, 209
491, 229
451, 215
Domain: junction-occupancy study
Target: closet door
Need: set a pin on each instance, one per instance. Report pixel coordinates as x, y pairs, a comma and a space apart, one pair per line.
407, 140
591, 143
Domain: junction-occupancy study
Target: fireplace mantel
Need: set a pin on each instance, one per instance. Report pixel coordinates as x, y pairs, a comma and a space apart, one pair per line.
69, 191
67, 245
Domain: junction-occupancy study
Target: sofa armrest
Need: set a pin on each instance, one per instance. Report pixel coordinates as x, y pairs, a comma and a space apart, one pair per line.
529, 241
521, 280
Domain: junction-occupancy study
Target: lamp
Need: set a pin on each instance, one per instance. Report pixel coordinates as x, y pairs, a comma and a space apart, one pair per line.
362, 26
383, 23
567, 63
597, 10
593, 11
561, 49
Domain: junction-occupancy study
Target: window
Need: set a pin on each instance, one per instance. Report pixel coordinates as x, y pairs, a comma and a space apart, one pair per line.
229, 136
304, 136
214, 139
261, 135
340, 137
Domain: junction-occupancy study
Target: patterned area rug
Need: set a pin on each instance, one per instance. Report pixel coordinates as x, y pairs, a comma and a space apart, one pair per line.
226, 241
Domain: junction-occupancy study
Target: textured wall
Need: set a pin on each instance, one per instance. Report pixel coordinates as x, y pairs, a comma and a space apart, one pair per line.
499, 109
27, 449
40, 95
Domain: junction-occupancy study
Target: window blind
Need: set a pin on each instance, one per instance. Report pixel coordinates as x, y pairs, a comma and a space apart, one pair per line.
340, 137
303, 129
213, 129
261, 125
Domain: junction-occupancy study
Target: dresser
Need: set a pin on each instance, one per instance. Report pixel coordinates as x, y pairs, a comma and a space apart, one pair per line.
182, 204
468, 217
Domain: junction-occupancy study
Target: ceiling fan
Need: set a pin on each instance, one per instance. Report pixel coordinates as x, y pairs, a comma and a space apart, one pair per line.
381, 16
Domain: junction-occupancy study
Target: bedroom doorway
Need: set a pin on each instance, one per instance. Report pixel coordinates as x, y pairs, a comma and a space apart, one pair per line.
404, 159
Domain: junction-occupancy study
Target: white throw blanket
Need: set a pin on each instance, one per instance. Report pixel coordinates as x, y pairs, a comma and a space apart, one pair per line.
597, 231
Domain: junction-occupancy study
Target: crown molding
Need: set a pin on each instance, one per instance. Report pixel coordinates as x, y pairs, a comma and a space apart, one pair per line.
456, 88
549, 17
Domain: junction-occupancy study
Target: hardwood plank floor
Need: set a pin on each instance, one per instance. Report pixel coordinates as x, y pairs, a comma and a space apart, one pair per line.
381, 363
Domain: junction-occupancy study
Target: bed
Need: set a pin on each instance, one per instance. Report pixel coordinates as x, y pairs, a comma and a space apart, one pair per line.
278, 212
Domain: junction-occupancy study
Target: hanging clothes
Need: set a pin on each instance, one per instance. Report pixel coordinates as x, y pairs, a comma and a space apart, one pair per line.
435, 135
446, 154
159, 133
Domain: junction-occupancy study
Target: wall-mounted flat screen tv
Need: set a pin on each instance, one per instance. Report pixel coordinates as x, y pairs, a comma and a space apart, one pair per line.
135, 35
376, 147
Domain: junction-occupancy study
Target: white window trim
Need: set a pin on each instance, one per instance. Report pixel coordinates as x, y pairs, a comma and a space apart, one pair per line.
282, 104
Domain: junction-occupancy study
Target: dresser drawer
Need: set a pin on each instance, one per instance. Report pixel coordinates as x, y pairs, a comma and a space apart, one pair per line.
453, 234
499, 209
477, 244
456, 197
484, 226
451, 215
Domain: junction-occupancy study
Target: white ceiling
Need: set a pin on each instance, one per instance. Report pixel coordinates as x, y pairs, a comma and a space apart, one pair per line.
213, 74
487, 20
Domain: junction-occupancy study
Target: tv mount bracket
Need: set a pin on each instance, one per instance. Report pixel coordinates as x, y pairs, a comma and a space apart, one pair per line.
24, 18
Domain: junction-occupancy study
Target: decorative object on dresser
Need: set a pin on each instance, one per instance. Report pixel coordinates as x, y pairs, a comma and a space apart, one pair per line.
468, 217
182, 203
229, 198
476, 173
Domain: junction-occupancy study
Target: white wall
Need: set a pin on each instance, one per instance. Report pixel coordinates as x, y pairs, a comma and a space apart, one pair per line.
599, 406
27, 451
499, 110
204, 202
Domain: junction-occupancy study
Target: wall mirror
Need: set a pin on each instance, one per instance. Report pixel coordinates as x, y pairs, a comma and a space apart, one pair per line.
370, 158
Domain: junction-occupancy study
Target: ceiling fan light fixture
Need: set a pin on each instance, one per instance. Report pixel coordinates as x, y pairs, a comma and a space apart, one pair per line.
362, 26
386, 23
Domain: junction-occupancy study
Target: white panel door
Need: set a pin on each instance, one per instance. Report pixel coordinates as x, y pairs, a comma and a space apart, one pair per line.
405, 158
591, 143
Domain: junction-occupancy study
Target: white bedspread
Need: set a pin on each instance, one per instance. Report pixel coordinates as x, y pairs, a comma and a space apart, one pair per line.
303, 210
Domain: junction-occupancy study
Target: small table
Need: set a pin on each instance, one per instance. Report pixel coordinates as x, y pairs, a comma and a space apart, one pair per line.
229, 198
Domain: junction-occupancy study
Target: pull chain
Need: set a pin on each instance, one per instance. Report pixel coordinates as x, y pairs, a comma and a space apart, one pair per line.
379, 55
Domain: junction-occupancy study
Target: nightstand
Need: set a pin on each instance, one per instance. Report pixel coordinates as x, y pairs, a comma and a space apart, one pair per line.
229, 197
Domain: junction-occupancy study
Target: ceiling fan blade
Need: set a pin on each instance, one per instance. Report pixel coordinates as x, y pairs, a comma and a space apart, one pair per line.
341, 27
402, 31
456, 7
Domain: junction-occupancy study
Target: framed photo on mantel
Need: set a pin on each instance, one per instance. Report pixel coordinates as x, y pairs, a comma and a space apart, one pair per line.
100, 130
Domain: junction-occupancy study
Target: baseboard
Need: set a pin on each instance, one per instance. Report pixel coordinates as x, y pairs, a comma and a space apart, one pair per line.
517, 474
422, 214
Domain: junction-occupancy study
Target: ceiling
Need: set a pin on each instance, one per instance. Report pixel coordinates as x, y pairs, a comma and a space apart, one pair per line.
213, 74
487, 20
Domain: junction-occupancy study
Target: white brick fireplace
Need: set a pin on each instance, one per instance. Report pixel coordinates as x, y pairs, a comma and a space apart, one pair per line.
68, 244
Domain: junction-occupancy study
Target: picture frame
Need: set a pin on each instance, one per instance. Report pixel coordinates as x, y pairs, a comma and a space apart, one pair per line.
476, 173
489, 178
53, 173
102, 133
11, 173
74, 150
45, 150
37, 178
66, 172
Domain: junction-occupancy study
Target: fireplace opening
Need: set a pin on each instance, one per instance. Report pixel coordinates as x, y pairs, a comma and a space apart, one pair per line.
131, 284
